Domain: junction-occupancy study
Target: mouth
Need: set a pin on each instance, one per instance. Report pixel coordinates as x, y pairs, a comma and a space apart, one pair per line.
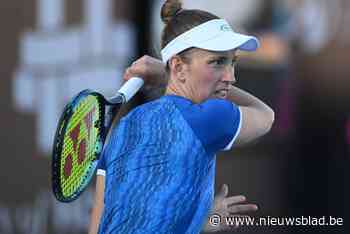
221, 93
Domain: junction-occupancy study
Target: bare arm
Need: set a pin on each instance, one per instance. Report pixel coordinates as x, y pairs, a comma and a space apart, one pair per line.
257, 117
98, 205
152, 70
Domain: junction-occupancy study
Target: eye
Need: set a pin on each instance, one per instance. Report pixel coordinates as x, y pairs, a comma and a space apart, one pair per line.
223, 61
219, 62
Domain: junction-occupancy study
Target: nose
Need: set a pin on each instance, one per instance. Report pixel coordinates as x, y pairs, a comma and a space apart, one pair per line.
229, 76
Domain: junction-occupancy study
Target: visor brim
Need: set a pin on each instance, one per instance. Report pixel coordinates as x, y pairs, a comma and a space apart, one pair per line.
230, 41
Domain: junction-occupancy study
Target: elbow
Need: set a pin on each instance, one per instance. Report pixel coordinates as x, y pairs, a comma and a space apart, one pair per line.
269, 119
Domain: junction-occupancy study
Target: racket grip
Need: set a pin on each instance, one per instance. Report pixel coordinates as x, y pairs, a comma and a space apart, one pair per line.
130, 88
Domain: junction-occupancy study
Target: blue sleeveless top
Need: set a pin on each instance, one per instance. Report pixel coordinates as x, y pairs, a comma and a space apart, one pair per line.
160, 165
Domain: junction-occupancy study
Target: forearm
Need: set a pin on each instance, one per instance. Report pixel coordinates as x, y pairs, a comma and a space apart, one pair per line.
95, 219
257, 117
98, 206
243, 98
153, 71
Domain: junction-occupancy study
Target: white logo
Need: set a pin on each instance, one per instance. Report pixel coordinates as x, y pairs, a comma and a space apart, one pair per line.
225, 28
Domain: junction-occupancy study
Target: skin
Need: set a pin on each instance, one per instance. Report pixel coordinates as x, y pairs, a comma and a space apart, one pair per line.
223, 205
228, 206
204, 74
207, 75
98, 205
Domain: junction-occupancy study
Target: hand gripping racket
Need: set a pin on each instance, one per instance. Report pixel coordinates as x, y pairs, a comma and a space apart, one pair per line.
80, 136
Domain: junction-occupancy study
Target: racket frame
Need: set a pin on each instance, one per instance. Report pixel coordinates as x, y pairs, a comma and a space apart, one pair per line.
59, 141
125, 93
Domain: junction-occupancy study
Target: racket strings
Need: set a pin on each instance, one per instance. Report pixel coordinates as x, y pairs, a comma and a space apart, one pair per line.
78, 152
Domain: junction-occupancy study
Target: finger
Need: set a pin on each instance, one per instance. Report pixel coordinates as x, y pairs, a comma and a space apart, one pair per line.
223, 191
127, 74
235, 199
134, 70
242, 208
138, 69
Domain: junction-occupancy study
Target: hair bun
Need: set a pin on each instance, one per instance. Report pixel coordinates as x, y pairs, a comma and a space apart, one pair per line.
169, 10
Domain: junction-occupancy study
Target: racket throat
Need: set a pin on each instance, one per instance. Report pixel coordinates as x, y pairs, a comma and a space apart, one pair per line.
117, 99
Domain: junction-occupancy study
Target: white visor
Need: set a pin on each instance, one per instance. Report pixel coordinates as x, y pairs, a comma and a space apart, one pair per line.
214, 35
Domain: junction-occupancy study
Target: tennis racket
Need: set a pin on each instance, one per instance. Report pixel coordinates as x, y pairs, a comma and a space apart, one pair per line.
80, 136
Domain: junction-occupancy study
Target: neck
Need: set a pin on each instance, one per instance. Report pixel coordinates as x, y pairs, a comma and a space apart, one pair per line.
179, 90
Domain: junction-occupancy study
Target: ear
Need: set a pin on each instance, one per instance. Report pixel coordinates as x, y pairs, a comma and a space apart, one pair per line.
178, 68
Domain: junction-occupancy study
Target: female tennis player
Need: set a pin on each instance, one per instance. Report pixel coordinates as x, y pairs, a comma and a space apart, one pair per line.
158, 168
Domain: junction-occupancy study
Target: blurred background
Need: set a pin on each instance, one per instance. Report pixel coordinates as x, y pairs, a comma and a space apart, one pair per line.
51, 49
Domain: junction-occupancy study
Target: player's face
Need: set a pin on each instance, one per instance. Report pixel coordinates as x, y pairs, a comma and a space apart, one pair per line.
211, 74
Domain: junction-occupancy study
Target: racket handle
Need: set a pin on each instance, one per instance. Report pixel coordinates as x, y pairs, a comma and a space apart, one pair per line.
130, 88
